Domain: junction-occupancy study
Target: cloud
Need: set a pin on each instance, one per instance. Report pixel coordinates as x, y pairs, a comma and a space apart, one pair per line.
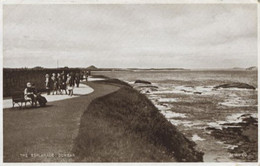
130, 35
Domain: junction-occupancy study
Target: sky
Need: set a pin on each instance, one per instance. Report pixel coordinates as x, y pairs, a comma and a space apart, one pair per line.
129, 36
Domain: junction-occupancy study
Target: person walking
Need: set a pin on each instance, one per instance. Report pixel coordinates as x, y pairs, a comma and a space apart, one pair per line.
63, 85
84, 76
47, 84
54, 83
59, 82
72, 75
77, 79
70, 84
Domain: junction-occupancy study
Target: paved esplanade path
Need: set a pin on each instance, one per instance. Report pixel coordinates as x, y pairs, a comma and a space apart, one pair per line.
47, 134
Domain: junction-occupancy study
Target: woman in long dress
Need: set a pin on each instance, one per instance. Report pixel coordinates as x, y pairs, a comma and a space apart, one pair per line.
47, 84
70, 84
54, 83
59, 82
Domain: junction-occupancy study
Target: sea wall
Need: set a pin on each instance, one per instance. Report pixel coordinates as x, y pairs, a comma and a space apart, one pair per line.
129, 128
16, 79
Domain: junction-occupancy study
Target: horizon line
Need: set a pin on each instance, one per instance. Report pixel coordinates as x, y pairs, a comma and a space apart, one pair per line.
129, 67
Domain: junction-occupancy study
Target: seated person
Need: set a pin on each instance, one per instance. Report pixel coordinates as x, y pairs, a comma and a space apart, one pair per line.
29, 93
39, 98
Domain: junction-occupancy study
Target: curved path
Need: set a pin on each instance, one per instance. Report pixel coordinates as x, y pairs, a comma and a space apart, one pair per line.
47, 134
79, 91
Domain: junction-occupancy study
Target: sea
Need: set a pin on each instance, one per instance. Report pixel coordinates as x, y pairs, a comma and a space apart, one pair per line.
222, 122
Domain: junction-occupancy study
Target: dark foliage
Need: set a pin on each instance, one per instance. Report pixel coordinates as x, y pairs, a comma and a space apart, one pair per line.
16, 79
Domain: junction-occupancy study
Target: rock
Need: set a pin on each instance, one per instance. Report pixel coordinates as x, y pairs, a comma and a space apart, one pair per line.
254, 68
249, 120
197, 93
148, 86
243, 136
142, 82
235, 85
154, 89
186, 91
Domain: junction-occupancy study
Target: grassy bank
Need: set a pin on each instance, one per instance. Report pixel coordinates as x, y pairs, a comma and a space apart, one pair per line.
126, 126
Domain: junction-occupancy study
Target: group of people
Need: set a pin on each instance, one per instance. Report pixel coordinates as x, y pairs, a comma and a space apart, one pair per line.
54, 84
31, 93
60, 82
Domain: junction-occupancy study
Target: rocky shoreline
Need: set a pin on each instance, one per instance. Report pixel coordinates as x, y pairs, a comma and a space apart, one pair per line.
237, 134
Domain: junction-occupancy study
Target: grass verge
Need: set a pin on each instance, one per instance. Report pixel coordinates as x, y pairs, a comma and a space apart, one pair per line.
125, 126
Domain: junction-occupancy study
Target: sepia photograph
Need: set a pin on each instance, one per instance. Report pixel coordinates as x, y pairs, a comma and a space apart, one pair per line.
119, 82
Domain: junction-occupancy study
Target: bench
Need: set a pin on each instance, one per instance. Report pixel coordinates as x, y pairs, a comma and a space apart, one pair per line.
18, 97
